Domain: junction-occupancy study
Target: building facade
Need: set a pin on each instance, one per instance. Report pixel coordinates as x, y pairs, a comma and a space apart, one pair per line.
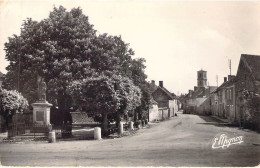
167, 103
197, 101
248, 79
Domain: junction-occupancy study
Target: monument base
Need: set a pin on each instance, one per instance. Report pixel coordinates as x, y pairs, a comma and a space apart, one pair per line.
41, 112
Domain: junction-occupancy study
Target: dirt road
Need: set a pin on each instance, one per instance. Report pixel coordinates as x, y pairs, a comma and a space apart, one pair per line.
185, 140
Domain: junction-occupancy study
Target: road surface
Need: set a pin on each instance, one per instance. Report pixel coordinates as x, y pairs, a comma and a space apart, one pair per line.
185, 140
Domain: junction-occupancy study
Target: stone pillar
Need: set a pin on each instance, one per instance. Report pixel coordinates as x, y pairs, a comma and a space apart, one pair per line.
121, 128
41, 112
52, 137
131, 125
97, 133
41, 108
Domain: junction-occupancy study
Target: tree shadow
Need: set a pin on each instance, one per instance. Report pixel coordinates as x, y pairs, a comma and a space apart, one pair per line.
214, 121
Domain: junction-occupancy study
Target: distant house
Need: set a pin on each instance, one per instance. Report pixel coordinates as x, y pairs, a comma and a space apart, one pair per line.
166, 102
1, 78
226, 100
248, 78
197, 101
165, 99
223, 99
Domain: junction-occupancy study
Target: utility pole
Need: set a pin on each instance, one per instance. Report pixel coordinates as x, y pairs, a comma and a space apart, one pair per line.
217, 80
229, 64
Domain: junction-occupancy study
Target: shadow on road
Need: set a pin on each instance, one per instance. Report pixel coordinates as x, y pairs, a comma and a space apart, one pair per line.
216, 122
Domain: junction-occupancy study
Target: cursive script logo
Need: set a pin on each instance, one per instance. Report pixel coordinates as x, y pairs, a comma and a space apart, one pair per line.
222, 141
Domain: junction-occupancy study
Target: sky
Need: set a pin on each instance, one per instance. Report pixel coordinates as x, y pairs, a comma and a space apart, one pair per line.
176, 38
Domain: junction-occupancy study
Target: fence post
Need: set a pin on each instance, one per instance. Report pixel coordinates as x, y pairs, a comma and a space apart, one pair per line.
97, 133
131, 125
121, 128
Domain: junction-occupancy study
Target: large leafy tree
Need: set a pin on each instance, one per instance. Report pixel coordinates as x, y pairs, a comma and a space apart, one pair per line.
56, 49
139, 78
65, 48
11, 102
61, 49
106, 95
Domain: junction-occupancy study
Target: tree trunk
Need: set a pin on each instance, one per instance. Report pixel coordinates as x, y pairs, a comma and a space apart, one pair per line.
104, 124
135, 116
64, 104
118, 119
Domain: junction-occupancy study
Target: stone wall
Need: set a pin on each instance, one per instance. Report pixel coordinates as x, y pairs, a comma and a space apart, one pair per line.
204, 107
199, 106
156, 113
164, 113
153, 113
173, 107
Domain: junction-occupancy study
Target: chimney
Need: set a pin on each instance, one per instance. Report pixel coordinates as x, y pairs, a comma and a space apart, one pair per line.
225, 79
153, 82
161, 83
190, 91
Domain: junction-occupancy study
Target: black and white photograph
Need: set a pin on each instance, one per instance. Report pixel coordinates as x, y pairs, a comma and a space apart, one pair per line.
109, 83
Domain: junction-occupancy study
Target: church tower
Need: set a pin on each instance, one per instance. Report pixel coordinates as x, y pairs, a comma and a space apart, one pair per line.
202, 78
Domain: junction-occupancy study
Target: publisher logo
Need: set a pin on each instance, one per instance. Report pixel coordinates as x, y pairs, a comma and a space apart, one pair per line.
223, 141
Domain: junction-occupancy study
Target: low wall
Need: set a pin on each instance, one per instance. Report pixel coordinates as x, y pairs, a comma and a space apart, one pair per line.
164, 113
156, 113
153, 113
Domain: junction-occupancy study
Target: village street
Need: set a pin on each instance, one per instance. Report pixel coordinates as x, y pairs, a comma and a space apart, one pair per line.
185, 140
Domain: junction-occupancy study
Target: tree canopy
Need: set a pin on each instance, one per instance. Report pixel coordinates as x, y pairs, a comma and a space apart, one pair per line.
11, 102
64, 48
106, 94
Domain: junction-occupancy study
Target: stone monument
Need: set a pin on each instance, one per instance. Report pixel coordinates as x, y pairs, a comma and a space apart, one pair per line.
41, 108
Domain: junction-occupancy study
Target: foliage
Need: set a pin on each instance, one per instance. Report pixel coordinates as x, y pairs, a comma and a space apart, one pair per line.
251, 106
11, 101
64, 48
106, 95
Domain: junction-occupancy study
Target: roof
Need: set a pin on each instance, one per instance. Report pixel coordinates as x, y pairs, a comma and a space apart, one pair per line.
252, 62
199, 92
173, 94
167, 92
226, 84
153, 87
